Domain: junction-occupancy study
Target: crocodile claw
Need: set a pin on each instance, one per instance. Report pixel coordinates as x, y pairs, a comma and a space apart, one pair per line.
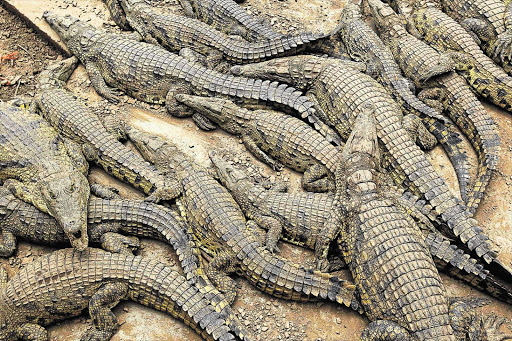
503, 47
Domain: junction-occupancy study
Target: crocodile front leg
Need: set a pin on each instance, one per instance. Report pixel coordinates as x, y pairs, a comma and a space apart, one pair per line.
117, 14
117, 243
503, 44
260, 154
187, 8
100, 305
75, 153
32, 332
315, 179
223, 263
477, 28
329, 232
385, 331
99, 84
272, 225
26, 192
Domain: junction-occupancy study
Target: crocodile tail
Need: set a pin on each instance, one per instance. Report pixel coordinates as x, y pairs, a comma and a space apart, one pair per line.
281, 278
452, 145
470, 116
454, 261
240, 51
271, 92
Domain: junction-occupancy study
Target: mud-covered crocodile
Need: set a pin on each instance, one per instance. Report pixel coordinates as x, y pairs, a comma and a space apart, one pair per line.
78, 123
115, 223
342, 94
275, 138
298, 218
221, 229
175, 32
398, 284
229, 17
64, 283
444, 34
44, 169
154, 75
489, 22
448, 91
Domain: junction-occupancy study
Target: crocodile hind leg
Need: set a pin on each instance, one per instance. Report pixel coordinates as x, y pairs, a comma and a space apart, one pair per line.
105, 322
503, 45
100, 85
181, 110
385, 331
465, 320
329, 232
315, 179
32, 332
105, 192
417, 131
477, 28
223, 263
187, 8
492, 325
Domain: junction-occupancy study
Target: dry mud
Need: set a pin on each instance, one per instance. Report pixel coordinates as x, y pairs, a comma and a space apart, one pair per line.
268, 318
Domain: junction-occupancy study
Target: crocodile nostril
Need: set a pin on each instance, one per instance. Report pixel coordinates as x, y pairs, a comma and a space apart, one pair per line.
77, 234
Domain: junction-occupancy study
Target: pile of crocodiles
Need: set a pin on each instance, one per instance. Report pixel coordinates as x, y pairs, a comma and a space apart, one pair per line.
353, 109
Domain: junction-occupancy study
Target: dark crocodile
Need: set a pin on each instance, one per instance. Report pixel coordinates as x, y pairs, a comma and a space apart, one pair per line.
445, 34
154, 75
175, 32
76, 122
489, 22
448, 91
40, 167
342, 94
275, 138
64, 283
298, 218
230, 18
221, 228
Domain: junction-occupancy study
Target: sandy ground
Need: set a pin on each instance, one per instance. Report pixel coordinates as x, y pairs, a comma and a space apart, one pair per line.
268, 318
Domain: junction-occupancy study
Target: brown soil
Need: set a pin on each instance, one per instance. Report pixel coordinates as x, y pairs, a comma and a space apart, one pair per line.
266, 317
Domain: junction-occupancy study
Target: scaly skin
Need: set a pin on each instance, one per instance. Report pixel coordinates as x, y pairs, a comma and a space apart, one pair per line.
39, 168
230, 18
175, 32
342, 94
62, 284
489, 21
154, 75
445, 34
448, 91
221, 228
384, 250
362, 43
107, 219
75, 121
298, 218
275, 138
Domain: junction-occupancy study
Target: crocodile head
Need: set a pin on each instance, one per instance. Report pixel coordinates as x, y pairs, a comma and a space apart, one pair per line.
225, 113
58, 73
75, 33
66, 196
229, 175
384, 16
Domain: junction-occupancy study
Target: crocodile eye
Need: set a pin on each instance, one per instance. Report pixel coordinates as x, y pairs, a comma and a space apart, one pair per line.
72, 188
53, 195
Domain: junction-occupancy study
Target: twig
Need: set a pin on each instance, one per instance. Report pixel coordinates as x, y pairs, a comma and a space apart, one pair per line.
17, 87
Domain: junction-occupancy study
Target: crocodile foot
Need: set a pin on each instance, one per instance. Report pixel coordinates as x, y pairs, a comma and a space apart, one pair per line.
503, 47
492, 325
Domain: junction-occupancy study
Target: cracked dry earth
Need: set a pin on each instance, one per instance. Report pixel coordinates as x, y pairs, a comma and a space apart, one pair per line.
266, 317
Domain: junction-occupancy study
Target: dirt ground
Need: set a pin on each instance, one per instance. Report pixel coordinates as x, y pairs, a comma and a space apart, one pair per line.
268, 318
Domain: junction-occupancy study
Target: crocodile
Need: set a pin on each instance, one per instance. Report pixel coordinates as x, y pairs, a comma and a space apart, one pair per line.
44, 169
63, 283
275, 138
400, 288
444, 34
75, 121
222, 231
342, 94
298, 218
489, 22
448, 91
175, 32
154, 75
230, 18
109, 221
